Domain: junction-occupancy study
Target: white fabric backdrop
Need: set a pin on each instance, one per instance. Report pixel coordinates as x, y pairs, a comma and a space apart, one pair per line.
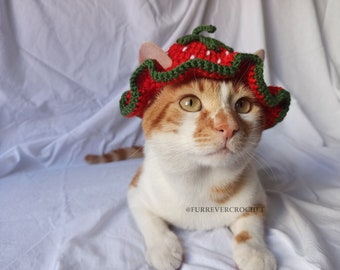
63, 67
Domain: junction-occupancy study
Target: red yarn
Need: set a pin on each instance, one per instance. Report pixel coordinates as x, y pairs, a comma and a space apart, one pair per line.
196, 56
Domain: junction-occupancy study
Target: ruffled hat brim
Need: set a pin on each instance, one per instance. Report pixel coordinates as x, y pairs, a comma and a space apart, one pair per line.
195, 59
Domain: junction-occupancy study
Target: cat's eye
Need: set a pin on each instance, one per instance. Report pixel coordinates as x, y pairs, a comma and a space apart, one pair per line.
243, 105
190, 104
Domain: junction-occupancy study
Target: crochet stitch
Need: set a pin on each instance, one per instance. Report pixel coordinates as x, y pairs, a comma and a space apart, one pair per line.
198, 56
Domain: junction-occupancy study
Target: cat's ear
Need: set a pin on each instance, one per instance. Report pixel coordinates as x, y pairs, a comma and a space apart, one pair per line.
260, 53
150, 50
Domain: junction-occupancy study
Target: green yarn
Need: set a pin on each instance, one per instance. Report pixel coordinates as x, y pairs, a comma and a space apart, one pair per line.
276, 100
207, 28
167, 76
211, 43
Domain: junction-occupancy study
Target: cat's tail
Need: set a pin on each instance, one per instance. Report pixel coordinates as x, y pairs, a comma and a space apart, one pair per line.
116, 155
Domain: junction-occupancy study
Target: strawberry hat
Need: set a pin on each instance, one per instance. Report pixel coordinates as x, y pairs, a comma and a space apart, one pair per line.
198, 56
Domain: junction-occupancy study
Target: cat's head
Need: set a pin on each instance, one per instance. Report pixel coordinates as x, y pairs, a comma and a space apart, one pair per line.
204, 121
209, 122
202, 101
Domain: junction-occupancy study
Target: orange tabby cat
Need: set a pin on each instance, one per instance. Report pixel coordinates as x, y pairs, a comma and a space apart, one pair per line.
200, 139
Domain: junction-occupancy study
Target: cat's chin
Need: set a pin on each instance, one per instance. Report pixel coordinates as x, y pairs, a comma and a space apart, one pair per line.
219, 152
223, 157
215, 158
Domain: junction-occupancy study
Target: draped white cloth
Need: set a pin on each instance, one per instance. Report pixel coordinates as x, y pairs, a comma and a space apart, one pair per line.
64, 65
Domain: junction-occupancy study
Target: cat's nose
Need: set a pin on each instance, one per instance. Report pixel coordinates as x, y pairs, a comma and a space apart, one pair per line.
227, 130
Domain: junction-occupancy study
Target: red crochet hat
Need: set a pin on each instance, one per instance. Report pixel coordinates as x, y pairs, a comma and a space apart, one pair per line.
197, 56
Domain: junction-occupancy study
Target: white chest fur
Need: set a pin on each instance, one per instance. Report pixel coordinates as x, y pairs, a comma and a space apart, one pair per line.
184, 198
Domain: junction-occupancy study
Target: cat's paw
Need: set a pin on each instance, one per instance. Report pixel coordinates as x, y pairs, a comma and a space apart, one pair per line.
165, 253
249, 257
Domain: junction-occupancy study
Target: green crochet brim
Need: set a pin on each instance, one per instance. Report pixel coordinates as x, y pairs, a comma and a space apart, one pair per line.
129, 106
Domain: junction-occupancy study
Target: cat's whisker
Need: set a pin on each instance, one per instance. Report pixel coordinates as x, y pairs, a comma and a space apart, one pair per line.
264, 165
136, 153
242, 77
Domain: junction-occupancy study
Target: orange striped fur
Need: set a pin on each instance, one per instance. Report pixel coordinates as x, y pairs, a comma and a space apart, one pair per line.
242, 237
221, 194
135, 179
116, 155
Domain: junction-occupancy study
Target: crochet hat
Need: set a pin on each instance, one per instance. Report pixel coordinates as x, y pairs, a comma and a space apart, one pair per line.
198, 56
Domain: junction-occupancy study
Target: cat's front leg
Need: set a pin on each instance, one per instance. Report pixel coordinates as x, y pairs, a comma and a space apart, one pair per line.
249, 248
163, 249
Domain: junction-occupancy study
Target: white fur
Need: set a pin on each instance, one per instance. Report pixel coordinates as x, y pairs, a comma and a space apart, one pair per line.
177, 176
225, 93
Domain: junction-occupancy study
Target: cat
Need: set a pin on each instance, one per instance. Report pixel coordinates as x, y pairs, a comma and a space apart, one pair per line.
199, 147
200, 141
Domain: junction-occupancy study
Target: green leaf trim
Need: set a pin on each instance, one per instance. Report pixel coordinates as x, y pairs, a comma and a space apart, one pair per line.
210, 43
282, 97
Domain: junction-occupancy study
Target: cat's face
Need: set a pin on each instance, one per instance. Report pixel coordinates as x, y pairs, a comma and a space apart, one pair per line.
211, 123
